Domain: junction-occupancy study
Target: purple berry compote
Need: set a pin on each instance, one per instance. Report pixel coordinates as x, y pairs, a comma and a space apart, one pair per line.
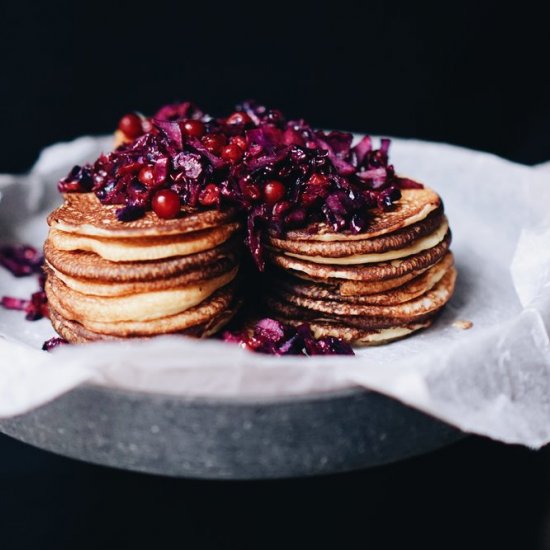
282, 174
274, 338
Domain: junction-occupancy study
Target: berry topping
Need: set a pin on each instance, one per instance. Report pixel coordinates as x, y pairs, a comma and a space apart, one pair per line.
214, 142
274, 191
239, 141
279, 173
272, 337
210, 195
232, 153
147, 176
130, 125
193, 128
238, 118
166, 203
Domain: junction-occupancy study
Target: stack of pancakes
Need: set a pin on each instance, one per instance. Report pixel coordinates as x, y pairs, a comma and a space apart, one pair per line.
107, 280
367, 288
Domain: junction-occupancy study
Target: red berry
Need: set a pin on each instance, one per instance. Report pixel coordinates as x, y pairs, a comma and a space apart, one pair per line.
238, 118
147, 176
232, 153
239, 141
166, 203
193, 128
214, 142
209, 195
274, 191
318, 179
130, 125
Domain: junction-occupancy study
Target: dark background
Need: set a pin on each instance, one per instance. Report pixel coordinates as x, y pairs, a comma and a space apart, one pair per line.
471, 74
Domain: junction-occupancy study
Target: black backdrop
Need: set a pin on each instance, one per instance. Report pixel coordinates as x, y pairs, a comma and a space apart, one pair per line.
470, 74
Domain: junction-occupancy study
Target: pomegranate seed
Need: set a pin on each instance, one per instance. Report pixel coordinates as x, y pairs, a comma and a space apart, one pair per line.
238, 118
239, 141
214, 142
166, 203
253, 191
232, 153
130, 125
209, 195
147, 176
318, 179
274, 191
194, 128
280, 208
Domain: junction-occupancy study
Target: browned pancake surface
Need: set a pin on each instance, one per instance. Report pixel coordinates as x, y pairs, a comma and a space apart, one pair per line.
75, 333
87, 265
83, 214
221, 305
360, 288
338, 249
415, 311
370, 273
363, 337
404, 293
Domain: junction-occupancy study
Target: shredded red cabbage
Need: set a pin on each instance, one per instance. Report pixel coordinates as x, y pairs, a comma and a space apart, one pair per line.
272, 337
325, 178
52, 343
21, 260
35, 308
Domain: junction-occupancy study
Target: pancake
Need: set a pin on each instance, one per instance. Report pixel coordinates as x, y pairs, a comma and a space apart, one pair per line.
211, 314
404, 293
90, 266
415, 311
344, 248
363, 337
419, 245
427, 302
109, 288
414, 206
136, 307
144, 248
368, 273
361, 288
75, 333
83, 214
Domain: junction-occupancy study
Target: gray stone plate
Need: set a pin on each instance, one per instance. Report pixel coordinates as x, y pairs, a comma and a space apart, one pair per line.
230, 439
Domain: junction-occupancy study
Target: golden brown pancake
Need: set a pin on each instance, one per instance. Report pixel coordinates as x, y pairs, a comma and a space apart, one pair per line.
136, 307
109, 288
404, 293
363, 337
360, 288
421, 305
424, 243
87, 265
75, 333
369, 273
337, 249
212, 313
414, 206
415, 311
146, 248
83, 214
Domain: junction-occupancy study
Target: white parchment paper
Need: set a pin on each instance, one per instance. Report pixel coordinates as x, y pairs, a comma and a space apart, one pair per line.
493, 379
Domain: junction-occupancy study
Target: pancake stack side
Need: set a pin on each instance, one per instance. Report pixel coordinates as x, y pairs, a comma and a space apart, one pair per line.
109, 281
368, 288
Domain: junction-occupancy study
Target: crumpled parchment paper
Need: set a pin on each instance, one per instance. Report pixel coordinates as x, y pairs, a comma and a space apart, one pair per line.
493, 379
